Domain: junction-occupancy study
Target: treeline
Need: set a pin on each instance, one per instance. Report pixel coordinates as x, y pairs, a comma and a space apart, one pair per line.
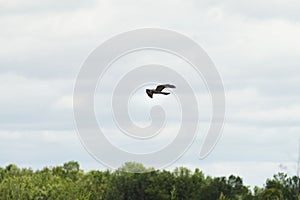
70, 182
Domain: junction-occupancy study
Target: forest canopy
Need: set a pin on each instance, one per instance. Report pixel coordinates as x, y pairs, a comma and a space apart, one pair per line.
70, 182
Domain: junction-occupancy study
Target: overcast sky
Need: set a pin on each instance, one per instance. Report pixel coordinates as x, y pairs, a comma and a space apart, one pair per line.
254, 44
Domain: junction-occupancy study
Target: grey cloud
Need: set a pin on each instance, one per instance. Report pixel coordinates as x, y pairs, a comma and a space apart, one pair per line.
32, 103
253, 44
17, 7
40, 148
259, 10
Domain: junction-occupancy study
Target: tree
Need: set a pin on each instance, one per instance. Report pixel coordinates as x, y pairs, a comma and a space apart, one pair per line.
71, 170
272, 194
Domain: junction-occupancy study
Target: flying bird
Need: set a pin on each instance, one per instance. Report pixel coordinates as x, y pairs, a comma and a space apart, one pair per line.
159, 89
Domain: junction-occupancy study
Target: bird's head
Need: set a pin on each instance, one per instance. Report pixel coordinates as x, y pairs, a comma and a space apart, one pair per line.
149, 92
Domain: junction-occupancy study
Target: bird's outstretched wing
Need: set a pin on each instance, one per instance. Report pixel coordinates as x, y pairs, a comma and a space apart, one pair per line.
161, 87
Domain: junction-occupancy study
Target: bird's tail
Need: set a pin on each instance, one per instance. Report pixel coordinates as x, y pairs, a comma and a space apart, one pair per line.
165, 93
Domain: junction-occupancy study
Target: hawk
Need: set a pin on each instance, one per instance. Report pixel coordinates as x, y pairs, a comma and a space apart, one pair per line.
159, 89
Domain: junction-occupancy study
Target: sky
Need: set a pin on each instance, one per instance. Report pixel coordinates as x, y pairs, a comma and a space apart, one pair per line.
254, 45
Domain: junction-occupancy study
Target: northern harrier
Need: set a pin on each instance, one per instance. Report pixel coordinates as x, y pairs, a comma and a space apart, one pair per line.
159, 89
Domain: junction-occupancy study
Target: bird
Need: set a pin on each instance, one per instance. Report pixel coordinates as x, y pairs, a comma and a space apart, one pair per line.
158, 90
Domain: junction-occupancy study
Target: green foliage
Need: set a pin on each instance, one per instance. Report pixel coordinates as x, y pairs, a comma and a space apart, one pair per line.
69, 182
282, 186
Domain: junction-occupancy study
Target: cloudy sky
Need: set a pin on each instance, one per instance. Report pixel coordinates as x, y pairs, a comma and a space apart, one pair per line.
254, 44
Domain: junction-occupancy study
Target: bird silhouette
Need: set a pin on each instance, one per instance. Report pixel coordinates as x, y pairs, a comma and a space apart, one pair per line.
158, 90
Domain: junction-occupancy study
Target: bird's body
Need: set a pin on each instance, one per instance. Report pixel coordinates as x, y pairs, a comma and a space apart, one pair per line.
159, 89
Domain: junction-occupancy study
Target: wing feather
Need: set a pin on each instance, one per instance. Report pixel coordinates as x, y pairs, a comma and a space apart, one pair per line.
169, 86
159, 88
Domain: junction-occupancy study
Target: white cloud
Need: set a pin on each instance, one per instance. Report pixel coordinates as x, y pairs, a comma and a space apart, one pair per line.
262, 10
254, 44
28, 103
39, 147
35, 6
